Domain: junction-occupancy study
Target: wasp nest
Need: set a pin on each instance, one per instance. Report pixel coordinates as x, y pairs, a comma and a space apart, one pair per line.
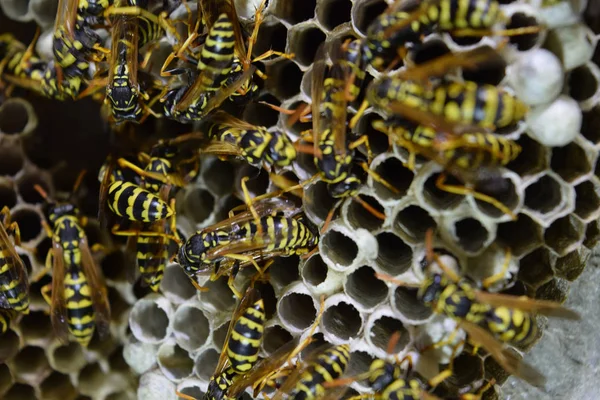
175, 337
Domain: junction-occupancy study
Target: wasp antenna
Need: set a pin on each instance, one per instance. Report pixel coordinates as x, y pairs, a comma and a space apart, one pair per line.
41, 191
393, 341
78, 181
429, 245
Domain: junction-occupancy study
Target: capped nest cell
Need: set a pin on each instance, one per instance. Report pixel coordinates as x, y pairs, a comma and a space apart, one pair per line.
170, 341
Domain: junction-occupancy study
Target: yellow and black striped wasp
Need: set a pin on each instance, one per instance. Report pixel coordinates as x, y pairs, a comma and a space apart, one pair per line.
14, 282
77, 295
19, 65
75, 45
241, 346
404, 25
490, 320
269, 228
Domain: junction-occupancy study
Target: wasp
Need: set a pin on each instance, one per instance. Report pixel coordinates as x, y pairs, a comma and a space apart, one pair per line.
399, 27
14, 282
19, 62
491, 320
6, 315
77, 295
242, 344
268, 229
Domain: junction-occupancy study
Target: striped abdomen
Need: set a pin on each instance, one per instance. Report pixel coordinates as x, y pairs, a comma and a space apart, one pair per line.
80, 311
216, 57
280, 234
136, 204
329, 366
152, 254
246, 338
402, 389
470, 103
460, 14
511, 325
483, 150
11, 288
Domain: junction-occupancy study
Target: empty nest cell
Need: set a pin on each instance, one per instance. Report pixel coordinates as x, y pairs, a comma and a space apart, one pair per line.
572, 265
358, 216
149, 319
583, 83
176, 284
394, 256
338, 248
35, 327
274, 337
471, 235
587, 199
15, 116
332, 13
295, 11
544, 195
174, 361
440, 200
314, 271
218, 295
284, 270
8, 196
317, 201
285, 77
521, 236
565, 234
570, 162
9, 345
206, 362
296, 310
20, 391
365, 12
67, 358
218, 178
381, 331
467, 370
532, 159
364, 288
393, 172
406, 302
304, 40
199, 204
536, 267
590, 125
504, 190
57, 386
342, 320
29, 222
30, 365
11, 160
190, 327
413, 222
521, 20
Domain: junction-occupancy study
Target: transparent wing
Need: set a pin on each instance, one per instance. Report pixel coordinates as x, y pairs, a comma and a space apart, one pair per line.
524, 303
58, 305
97, 289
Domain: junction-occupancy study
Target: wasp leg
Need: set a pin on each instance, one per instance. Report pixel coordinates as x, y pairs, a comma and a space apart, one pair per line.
116, 230
46, 292
464, 191
445, 374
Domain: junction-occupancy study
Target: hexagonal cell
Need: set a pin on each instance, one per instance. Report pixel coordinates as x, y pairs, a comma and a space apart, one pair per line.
149, 319
432, 48
536, 267
365, 12
392, 171
522, 20
11, 160
92, 379
35, 327
544, 195
532, 159
297, 310
364, 288
258, 182
338, 247
314, 271
440, 199
332, 13
394, 256
304, 40
174, 362
467, 370
15, 116
190, 327
20, 391
358, 216
494, 371
8, 197
592, 235
9, 345
583, 83
470, 234
570, 162
58, 386
199, 204
176, 284
342, 320
412, 223
220, 334
205, 363
30, 365
275, 336
285, 76
587, 200
317, 201
565, 234
504, 190
6, 379
554, 290
218, 294
259, 114
491, 73
359, 363
295, 11
378, 141
572, 265
406, 302
218, 178
521, 236
590, 125
67, 358
381, 331
284, 271
29, 222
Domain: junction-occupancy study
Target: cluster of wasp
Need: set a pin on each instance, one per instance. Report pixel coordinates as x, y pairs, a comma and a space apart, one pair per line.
454, 123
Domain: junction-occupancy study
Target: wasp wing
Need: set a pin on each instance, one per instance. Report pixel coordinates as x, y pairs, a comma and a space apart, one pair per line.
524, 303
58, 304
98, 290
